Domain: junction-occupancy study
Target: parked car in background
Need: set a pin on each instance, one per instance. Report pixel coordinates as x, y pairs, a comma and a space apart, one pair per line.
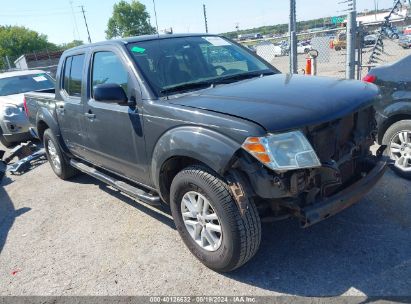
391, 32
394, 112
340, 41
14, 126
370, 40
304, 47
405, 41
224, 142
407, 30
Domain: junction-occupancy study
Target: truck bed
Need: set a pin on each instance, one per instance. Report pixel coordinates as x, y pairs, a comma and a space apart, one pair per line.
36, 100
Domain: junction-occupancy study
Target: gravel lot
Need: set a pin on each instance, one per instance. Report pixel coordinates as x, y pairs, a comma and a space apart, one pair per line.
80, 237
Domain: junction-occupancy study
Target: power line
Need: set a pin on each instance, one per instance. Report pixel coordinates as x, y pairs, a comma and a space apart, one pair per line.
74, 20
85, 21
38, 15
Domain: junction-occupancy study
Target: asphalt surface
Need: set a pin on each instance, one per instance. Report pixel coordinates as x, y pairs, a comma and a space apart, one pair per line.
81, 237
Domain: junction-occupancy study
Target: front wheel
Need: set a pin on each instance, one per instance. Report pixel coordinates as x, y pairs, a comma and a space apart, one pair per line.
58, 162
398, 141
209, 220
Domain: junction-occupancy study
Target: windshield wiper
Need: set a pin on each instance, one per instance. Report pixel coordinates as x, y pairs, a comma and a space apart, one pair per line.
210, 83
187, 87
243, 76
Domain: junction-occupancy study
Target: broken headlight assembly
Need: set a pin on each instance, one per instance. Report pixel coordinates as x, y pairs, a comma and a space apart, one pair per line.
283, 152
11, 110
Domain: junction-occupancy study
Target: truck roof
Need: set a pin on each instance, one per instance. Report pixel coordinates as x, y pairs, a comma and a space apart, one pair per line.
139, 39
20, 73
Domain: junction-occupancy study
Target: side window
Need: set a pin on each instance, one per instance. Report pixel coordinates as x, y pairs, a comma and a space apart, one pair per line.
73, 74
108, 68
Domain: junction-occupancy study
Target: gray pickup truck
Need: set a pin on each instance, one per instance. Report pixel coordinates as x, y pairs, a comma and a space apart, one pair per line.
204, 125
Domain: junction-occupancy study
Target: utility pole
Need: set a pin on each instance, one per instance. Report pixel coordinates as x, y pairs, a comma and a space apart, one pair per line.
205, 18
293, 37
351, 39
85, 21
155, 15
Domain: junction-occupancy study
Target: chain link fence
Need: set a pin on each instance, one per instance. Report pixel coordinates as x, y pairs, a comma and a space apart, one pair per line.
330, 44
390, 48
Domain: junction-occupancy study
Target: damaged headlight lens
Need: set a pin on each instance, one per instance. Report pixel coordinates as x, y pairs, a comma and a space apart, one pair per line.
10, 110
282, 152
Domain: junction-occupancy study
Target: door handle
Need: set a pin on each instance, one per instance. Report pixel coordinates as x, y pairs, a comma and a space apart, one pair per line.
90, 115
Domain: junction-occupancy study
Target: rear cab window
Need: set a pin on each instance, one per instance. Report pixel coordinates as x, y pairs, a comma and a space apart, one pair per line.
73, 75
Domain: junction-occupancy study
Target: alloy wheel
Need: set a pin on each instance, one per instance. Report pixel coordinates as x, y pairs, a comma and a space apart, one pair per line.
201, 221
54, 157
400, 148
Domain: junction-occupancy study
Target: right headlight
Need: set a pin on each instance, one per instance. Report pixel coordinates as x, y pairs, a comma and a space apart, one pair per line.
10, 110
283, 152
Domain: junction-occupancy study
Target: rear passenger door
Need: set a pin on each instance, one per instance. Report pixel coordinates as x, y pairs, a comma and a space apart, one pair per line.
70, 110
115, 138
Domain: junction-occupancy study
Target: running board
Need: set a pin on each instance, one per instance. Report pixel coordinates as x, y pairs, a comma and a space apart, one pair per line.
120, 185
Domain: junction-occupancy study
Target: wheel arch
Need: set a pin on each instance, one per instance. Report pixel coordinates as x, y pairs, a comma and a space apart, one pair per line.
45, 120
389, 122
185, 146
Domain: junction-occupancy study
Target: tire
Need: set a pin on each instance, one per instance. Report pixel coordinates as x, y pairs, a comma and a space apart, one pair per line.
338, 48
392, 136
4, 141
240, 234
58, 162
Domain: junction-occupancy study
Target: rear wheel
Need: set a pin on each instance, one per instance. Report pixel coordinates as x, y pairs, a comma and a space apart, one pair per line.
209, 220
398, 141
58, 162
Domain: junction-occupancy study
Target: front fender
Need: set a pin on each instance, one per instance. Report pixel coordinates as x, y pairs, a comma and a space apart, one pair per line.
207, 146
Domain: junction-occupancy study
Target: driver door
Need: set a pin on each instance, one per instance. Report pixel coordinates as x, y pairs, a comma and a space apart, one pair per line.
115, 138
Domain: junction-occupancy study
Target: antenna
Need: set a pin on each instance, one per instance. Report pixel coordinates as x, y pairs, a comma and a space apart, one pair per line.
74, 20
155, 15
205, 18
85, 21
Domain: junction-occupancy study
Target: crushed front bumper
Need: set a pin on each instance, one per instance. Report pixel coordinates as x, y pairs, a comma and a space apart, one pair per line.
343, 199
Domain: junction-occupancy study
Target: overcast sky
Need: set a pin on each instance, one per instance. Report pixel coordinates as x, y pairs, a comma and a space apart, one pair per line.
55, 18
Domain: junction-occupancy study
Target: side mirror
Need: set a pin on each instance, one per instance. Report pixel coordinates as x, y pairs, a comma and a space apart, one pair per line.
110, 93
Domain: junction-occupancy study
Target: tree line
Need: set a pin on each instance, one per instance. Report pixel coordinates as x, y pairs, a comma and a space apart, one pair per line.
128, 19
281, 29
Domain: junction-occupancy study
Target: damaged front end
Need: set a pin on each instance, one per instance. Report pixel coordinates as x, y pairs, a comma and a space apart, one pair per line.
346, 172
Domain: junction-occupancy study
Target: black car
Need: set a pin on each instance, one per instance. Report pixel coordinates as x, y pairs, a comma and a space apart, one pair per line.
204, 125
394, 111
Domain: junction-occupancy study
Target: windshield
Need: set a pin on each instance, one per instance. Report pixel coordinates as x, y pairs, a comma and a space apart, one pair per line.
25, 83
170, 64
